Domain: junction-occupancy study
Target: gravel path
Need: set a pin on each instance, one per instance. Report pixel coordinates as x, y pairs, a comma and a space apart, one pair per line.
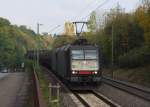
10, 87
3, 75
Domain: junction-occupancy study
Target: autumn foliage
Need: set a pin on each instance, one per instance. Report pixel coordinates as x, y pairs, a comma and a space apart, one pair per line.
131, 36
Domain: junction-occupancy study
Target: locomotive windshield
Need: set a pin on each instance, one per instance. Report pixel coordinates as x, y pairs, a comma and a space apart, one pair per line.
84, 54
84, 60
77, 54
90, 54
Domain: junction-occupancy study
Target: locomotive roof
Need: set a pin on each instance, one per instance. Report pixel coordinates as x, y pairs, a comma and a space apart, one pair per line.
80, 43
67, 47
84, 47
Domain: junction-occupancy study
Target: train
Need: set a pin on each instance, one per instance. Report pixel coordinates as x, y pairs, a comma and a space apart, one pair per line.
77, 62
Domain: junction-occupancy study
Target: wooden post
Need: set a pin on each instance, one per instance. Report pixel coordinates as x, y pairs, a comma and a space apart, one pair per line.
58, 94
50, 93
57, 100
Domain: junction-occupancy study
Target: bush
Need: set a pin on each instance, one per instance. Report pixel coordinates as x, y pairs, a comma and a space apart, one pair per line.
135, 58
29, 63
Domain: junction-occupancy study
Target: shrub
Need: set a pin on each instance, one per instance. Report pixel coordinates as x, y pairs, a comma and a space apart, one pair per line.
135, 58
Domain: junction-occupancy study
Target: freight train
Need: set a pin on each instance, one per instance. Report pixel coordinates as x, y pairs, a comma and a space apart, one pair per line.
79, 62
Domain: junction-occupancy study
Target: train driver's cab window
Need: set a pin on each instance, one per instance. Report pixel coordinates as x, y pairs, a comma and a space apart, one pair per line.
77, 54
91, 54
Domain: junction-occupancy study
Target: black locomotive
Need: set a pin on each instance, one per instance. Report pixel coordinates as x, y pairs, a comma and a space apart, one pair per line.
79, 62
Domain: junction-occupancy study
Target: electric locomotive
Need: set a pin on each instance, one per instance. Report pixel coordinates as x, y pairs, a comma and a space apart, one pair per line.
79, 62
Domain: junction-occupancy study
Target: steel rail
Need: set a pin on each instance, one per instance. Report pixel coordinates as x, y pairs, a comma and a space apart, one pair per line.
138, 91
106, 100
76, 94
96, 94
81, 100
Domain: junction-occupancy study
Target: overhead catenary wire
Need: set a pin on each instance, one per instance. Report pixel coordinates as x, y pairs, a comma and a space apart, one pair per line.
54, 28
99, 6
85, 17
85, 8
58, 27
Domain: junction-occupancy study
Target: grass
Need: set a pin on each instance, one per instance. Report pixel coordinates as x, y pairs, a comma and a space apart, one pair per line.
44, 83
30, 101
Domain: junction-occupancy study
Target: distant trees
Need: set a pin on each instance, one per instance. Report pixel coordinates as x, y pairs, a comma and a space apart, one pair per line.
62, 40
142, 15
129, 33
7, 52
69, 29
92, 22
16, 40
131, 36
4, 22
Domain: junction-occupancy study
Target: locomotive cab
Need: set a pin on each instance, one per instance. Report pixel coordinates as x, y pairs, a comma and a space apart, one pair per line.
84, 64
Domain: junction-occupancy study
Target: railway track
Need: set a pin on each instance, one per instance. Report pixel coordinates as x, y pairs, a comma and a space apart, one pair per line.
91, 98
87, 98
141, 92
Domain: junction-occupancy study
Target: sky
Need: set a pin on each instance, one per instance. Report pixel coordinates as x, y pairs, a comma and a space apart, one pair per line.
53, 13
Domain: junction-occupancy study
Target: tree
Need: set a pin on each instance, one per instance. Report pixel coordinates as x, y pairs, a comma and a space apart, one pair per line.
15, 41
69, 29
4, 22
7, 53
26, 30
143, 17
62, 40
92, 22
146, 5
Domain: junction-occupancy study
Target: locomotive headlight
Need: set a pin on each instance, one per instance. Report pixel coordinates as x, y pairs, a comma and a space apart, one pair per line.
73, 72
95, 72
84, 62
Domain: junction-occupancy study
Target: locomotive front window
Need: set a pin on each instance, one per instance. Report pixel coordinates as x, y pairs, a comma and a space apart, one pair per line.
77, 54
91, 54
85, 60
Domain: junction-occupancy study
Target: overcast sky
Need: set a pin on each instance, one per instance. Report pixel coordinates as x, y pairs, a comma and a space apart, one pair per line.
52, 13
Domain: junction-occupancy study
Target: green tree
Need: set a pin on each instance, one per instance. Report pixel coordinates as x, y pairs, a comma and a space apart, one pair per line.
7, 53
92, 22
62, 40
15, 41
4, 22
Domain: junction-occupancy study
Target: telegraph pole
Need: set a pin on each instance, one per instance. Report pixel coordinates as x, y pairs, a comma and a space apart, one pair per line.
112, 52
112, 42
38, 28
38, 32
112, 36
